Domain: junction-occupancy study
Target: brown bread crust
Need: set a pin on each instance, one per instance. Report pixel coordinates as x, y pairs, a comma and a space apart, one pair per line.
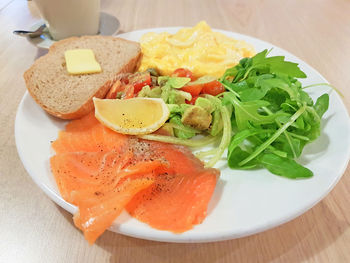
87, 106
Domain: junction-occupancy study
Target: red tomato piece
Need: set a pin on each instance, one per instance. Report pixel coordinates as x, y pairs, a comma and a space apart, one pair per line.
195, 90
121, 90
139, 80
138, 86
213, 88
129, 92
184, 73
193, 101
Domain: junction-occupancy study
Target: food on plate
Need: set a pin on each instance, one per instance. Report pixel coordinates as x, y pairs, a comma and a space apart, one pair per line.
81, 61
101, 172
193, 106
194, 88
273, 116
133, 116
70, 96
199, 49
258, 110
177, 200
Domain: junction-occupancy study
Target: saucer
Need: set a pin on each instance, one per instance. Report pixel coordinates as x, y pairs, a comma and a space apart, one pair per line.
109, 25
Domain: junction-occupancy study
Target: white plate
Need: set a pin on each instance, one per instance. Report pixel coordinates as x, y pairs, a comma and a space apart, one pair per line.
244, 202
109, 25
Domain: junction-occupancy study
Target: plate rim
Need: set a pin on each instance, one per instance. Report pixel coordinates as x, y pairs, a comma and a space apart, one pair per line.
204, 237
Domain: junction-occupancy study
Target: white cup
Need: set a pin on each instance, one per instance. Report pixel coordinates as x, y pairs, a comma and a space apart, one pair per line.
66, 18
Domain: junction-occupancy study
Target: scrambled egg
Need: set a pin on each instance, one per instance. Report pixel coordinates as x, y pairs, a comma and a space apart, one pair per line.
198, 49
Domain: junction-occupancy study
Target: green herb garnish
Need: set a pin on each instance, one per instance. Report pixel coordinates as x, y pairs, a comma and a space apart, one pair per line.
273, 117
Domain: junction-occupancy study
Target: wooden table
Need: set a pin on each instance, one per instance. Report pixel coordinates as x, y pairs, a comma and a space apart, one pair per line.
34, 229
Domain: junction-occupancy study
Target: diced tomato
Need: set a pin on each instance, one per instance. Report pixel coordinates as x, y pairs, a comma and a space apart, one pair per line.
138, 86
129, 92
195, 90
213, 88
193, 101
139, 80
125, 81
117, 87
121, 91
183, 72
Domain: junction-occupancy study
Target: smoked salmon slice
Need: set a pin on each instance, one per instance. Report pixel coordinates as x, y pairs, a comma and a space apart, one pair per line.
103, 172
88, 135
177, 200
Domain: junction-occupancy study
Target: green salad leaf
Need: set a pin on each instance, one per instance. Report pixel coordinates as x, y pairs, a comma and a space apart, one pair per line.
181, 131
173, 82
264, 119
273, 117
284, 166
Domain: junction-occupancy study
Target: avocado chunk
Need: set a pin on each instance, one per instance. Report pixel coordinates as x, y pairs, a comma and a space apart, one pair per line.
182, 132
173, 96
197, 118
174, 108
217, 125
205, 104
178, 97
150, 93
173, 82
153, 72
166, 130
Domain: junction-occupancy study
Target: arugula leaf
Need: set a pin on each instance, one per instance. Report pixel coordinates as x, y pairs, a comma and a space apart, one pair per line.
281, 84
261, 64
240, 137
260, 57
312, 124
279, 65
322, 104
304, 97
289, 145
281, 129
277, 98
236, 156
272, 116
284, 166
253, 94
246, 112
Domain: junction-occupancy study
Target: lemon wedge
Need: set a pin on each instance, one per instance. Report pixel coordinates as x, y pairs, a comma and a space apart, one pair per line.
132, 116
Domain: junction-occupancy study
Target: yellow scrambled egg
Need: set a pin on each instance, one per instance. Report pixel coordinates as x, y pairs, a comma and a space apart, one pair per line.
198, 49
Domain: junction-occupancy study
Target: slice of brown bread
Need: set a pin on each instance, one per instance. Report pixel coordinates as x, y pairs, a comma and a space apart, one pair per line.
70, 96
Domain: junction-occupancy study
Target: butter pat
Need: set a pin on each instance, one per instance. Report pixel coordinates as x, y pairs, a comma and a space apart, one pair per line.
81, 61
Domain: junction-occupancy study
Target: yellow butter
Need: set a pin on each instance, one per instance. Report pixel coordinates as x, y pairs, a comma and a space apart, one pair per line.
81, 61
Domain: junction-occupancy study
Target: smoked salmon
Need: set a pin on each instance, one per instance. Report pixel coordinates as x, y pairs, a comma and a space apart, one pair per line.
103, 172
177, 200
